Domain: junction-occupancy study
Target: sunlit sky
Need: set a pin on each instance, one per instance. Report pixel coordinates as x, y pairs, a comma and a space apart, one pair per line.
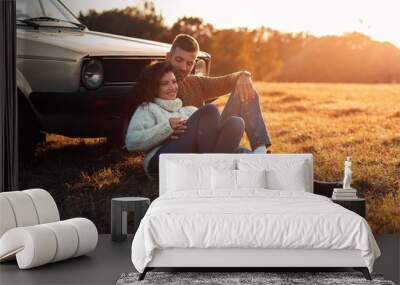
378, 19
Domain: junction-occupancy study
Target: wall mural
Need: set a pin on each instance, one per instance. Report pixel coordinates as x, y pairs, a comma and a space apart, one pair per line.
85, 135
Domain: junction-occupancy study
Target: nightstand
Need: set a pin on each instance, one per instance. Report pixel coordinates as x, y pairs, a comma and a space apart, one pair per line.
356, 205
119, 210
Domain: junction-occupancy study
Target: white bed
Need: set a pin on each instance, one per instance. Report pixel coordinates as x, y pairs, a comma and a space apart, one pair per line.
197, 224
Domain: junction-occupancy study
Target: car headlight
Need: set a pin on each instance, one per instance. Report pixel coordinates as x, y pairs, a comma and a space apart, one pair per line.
92, 74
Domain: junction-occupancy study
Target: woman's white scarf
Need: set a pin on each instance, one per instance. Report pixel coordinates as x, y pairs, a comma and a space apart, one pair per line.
168, 104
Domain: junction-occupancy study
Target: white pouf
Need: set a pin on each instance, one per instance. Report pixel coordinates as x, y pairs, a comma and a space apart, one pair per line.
31, 230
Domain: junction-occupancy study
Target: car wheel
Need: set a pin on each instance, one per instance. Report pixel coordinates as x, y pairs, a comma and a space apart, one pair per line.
115, 140
118, 138
29, 134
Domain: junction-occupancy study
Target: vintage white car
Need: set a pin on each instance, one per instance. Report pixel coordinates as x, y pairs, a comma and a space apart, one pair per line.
73, 81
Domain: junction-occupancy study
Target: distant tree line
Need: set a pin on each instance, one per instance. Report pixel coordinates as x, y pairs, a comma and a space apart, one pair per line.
268, 54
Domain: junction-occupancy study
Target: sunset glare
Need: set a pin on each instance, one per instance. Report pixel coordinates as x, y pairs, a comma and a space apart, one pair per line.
375, 18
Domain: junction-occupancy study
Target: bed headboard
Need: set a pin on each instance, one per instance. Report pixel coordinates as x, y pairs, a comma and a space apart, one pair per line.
218, 158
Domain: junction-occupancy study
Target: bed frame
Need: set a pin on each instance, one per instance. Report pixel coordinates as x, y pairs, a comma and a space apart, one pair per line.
243, 259
247, 258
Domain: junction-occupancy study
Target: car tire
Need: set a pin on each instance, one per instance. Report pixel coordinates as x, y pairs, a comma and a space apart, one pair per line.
115, 140
29, 134
118, 138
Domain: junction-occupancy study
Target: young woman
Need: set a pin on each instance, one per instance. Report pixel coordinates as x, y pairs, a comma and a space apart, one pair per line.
161, 125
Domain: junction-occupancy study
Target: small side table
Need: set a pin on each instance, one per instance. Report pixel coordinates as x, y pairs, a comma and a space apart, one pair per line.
119, 212
356, 205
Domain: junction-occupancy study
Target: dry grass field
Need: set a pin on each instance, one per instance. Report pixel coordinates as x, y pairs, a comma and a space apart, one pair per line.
331, 121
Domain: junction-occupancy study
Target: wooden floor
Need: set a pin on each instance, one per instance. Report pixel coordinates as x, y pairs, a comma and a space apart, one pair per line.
111, 259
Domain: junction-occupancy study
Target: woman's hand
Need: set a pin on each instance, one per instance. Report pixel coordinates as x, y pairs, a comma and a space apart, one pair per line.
178, 125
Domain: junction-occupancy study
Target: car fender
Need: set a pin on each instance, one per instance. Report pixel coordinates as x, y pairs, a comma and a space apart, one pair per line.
23, 84
25, 89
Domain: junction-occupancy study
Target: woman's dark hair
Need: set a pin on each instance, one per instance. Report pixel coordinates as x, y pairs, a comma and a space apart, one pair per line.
148, 83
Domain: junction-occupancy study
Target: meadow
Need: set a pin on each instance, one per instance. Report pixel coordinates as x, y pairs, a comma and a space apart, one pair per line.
331, 121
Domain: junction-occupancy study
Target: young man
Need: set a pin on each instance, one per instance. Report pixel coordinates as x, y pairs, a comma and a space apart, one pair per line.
195, 90
243, 99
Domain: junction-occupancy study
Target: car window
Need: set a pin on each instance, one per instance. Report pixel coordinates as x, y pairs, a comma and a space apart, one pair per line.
53, 9
26, 9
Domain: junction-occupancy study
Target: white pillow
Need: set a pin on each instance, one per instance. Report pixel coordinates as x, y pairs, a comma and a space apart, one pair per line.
223, 179
251, 178
280, 174
227, 179
191, 177
293, 178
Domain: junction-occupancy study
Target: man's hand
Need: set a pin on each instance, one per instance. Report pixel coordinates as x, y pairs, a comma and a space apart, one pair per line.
178, 125
245, 88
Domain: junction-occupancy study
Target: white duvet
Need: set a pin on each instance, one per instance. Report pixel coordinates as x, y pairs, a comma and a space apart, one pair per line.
252, 218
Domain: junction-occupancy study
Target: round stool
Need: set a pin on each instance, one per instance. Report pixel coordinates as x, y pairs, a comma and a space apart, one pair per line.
119, 212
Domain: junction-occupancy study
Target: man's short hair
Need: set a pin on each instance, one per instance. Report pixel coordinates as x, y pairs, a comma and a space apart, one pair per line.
185, 42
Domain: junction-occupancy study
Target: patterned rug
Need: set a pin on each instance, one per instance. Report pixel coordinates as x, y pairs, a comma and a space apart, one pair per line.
242, 278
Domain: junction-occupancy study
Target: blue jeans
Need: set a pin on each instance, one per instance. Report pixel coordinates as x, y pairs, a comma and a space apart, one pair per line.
251, 114
205, 133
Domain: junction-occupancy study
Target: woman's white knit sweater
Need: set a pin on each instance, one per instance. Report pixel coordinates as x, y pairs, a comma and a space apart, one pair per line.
149, 125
